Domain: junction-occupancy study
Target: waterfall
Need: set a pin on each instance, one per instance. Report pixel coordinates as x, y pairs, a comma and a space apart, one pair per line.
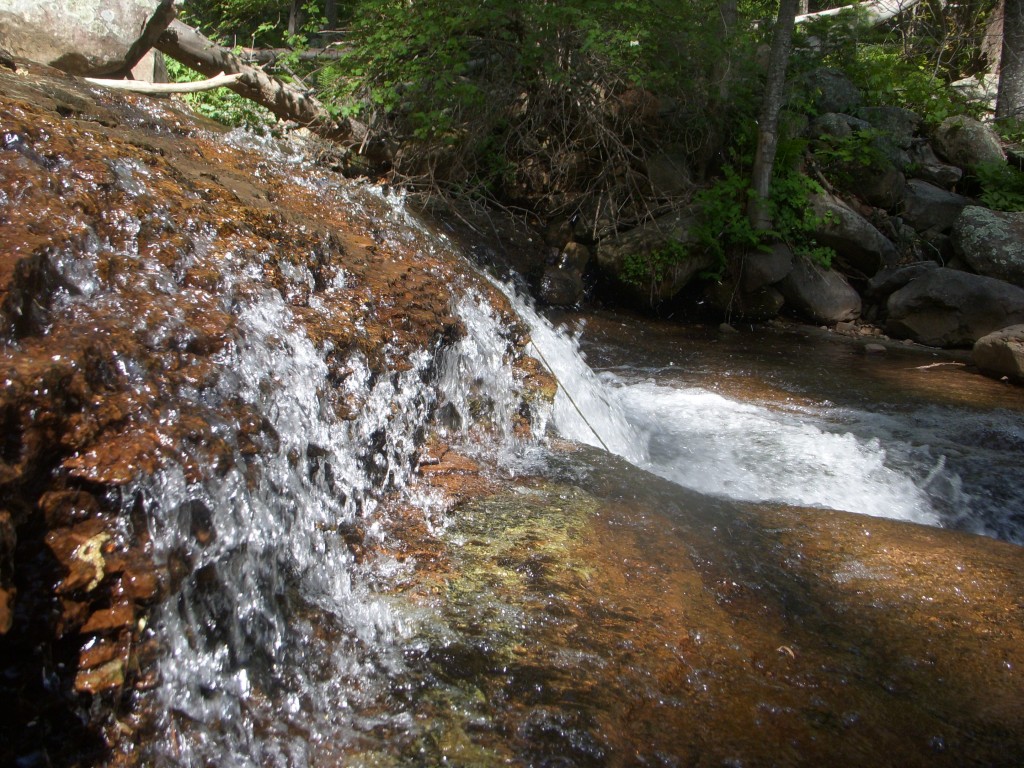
717, 446
265, 550
278, 638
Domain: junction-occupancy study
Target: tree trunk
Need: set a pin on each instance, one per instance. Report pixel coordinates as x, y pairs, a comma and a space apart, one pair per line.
331, 12
192, 49
295, 19
1010, 99
768, 122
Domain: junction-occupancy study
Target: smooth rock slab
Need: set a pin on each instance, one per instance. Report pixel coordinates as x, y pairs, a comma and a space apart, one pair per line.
856, 241
968, 143
83, 37
928, 207
948, 308
1001, 353
822, 295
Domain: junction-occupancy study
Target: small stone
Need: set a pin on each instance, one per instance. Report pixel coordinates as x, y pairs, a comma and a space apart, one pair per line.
104, 678
726, 328
874, 349
99, 652
846, 327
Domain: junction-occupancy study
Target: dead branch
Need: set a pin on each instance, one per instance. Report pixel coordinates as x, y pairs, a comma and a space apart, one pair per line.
194, 50
141, 86
876, 11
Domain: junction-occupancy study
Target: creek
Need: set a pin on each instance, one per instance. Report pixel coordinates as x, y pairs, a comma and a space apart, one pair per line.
290, 488
664, 571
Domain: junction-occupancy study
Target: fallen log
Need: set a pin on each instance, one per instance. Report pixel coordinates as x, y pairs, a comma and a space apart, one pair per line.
271, 55
875, 11
141, 86
194, 50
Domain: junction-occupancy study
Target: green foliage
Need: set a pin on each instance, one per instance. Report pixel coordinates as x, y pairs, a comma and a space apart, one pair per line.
724, 228
1002, 186
643, 270
473, 89
887, 68
223, 105
841, 158
888, 76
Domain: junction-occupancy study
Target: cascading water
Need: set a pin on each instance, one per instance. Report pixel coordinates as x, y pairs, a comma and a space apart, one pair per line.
247, 677
221, 368
747, 452
277, 645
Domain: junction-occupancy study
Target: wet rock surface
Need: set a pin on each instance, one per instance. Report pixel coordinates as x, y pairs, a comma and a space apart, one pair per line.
587, 618
614, 632
133, 237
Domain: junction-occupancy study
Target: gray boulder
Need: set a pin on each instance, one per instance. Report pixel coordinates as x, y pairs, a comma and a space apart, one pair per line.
928, 207
948, 308
836, 124
1001, 353
968, 143
642, 261
991, 242
761, 269
888, 281
669, 172
881, 185
832, 91
857, 243
822, 295
896, 123
84, 37
925, 165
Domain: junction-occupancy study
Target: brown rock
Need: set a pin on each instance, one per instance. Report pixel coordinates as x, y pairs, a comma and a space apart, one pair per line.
98, 652
80, 551
105, 678
7, 596
65, 508
73, 614
119, 616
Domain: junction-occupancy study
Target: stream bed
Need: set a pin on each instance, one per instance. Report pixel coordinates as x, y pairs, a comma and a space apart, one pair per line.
703, 598
284, 484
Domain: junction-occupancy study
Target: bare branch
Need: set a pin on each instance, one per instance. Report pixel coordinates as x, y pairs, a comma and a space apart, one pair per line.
194, 50
141, 86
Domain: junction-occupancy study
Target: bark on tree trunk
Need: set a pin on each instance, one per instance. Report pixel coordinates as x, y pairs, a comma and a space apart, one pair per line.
192, 49
1010, 98
295, 17
768, 122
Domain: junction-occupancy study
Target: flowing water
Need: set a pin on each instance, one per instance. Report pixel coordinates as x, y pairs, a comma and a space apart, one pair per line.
780, 438
383, 547
287, 651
